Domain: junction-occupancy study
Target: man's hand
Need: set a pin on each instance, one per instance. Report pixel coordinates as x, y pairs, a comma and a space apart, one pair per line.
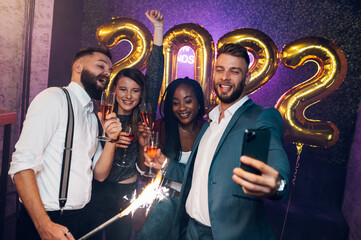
111, 125
155, 17
28, 191
51, 230
157, 162
263, 185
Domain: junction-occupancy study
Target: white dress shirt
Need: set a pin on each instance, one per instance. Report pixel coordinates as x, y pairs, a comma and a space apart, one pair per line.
197, 201
41, 145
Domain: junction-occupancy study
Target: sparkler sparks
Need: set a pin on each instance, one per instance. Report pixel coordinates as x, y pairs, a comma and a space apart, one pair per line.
151, 192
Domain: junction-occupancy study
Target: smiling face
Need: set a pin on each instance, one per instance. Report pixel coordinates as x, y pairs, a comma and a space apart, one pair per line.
185, 104
230, 77
128, 94
95, 73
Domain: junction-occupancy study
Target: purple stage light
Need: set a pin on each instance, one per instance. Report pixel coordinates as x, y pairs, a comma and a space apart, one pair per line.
185, 61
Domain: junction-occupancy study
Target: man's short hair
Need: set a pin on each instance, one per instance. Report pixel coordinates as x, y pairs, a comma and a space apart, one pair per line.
90, 50
234, 49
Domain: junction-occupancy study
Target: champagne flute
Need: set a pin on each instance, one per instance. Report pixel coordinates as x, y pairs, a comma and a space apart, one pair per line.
129, 130
152, 148
107, 103
147, 114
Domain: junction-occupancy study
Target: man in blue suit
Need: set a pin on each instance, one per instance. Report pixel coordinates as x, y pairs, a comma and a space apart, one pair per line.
219, 200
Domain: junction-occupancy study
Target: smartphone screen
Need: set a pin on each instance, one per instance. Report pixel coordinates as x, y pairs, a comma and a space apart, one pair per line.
255, 145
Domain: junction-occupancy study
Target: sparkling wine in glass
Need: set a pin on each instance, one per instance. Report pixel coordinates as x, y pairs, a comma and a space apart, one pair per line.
124, 163
152, 148
107, 104
147, 114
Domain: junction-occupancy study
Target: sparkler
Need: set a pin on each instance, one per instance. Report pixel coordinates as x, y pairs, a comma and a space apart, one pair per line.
150, 193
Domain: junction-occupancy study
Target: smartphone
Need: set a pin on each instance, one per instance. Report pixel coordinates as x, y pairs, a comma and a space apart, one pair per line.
255, 145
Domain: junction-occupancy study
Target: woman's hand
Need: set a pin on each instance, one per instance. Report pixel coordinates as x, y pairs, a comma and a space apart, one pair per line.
143, 133
124, 141
160, 161
158, 22
155, 17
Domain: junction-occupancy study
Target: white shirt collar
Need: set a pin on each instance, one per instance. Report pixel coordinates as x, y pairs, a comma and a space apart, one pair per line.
81, 95
215, 113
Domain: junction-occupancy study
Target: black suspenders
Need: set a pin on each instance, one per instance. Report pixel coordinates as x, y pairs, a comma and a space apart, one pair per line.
65, 171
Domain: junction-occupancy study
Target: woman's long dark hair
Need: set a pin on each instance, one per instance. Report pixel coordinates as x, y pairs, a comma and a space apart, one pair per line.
137, 76
172, 147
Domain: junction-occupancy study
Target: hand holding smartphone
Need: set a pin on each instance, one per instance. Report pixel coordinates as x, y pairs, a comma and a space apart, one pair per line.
255, 145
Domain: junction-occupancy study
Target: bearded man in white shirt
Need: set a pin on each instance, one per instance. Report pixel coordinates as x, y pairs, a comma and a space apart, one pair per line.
38, 157
219, 200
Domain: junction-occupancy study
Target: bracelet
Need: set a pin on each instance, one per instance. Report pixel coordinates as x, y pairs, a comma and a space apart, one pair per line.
114, 140
138, 169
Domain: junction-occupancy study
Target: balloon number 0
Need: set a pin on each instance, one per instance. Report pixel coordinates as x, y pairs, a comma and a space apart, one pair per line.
332, 67
199, 39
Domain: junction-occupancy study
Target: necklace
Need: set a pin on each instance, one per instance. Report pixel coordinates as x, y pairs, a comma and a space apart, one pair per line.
187, 132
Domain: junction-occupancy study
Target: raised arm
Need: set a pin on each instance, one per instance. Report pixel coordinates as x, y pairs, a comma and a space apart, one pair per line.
157, 19
277, 167
155, 67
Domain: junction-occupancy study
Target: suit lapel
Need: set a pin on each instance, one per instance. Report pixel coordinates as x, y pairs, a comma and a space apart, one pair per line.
231, 123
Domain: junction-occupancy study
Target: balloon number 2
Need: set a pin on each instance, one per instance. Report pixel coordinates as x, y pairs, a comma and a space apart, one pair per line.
112, 32
332, 67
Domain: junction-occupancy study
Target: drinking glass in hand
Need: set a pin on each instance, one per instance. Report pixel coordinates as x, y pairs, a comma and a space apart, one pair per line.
146, 114
107, 103
152, 148
124, 163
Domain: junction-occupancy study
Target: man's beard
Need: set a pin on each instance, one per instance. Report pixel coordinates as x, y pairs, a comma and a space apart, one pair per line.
90, 84
234, 95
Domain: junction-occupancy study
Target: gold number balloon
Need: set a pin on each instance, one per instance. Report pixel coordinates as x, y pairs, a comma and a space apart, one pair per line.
199, 39
263, 50
120, 29
331, 72
331, 62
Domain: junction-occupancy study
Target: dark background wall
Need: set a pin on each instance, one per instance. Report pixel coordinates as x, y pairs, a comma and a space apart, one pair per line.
315, 206
65, 40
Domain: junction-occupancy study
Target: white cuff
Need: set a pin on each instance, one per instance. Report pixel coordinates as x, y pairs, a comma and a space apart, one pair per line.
138, 169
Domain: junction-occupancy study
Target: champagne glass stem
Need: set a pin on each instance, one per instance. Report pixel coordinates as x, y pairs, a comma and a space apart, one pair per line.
150, 170
103, 134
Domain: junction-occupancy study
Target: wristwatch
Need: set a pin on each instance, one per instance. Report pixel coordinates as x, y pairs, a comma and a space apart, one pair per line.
281, 183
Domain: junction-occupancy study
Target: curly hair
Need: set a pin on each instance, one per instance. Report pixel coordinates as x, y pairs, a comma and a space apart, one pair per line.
172, 146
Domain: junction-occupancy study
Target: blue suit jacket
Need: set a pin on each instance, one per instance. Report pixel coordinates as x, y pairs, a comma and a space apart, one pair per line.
233, 214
